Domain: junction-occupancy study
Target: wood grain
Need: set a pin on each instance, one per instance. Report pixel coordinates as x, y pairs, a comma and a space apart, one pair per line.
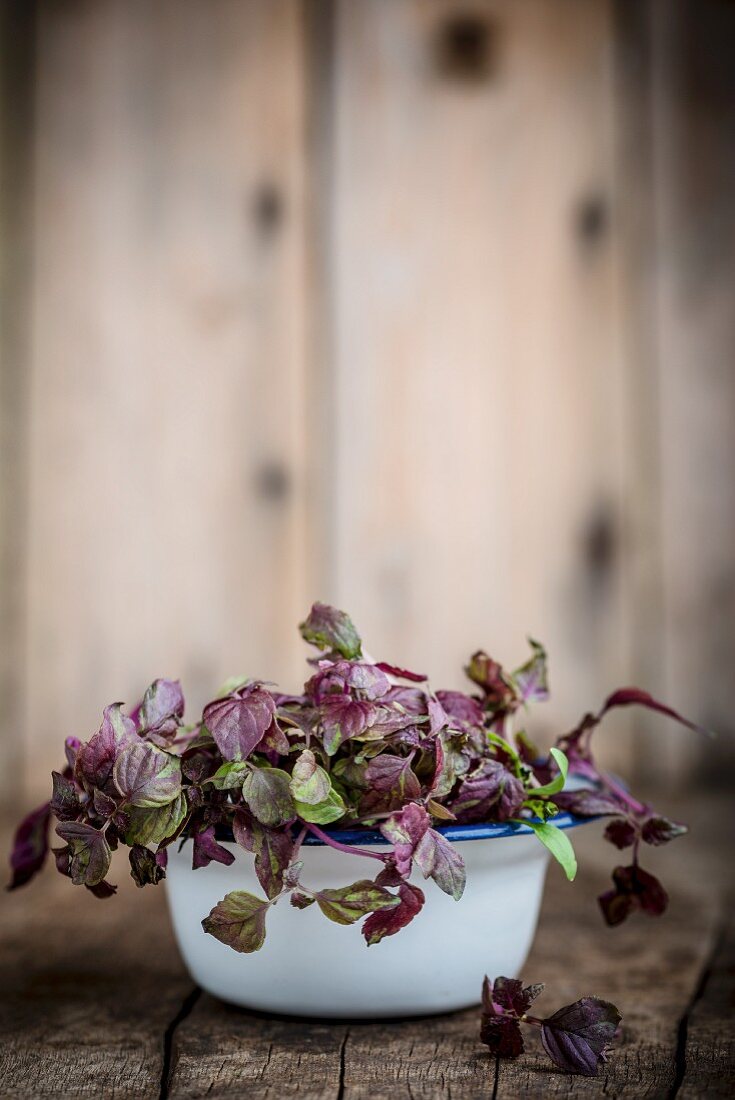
694, 119
707, 1053
429, 326
168, 474
16, 173
651, 972
675, 127
96, 1002
475, 358
89, 988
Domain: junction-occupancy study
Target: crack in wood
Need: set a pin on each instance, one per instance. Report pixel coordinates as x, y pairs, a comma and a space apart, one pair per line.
167, 1069
341, 1088
496, 1078
680, 1053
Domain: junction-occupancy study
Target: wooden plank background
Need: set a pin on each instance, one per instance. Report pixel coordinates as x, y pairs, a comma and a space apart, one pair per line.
420, 309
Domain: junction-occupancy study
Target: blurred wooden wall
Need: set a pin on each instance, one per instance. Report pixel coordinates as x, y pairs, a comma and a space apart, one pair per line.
419, 307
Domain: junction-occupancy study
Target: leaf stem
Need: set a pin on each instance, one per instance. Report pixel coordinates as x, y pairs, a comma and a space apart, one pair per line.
534, 1021
340, 847
619, 791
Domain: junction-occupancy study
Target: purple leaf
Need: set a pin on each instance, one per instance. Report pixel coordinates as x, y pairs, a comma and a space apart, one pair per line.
30, 846
61, 859
300, 900
441, 771
489, 675
500, 1033
439, 860
292, 874
144, 867
438, 717
405, 831
243, 830
510, 995
631, 696
90, 852
206, 850
328, 628
621, 832
348, 904
238, 921
586, 803
162, 708
461, 707
393, 774
104, 806
102, 889
401, 673
343, 718
365, 681
146, 776
531, 679
408, 700
390, 875
239, 722
370, 681
71, 748
634, 889
274, 740
273, 853
491, 793
578, 1036
65, 797
197, 765
386, 922
96, 759
659, 830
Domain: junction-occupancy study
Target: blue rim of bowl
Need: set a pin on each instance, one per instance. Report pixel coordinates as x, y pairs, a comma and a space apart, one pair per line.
455, 833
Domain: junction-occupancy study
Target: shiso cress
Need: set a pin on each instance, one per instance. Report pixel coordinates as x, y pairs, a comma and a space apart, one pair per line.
367, 743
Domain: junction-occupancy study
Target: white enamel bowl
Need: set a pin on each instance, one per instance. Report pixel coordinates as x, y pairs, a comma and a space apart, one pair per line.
309, 966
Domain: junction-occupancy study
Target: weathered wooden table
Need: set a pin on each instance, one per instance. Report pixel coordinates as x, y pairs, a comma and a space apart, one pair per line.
96, 1003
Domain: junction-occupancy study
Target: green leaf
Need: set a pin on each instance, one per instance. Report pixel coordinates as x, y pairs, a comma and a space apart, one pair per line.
238, 921
151, 826
328, 628
540, 808
348, 904
233, 684
436, 809
267, 791
310, 783
506, 748
556, 784
558, 844
324, 813
230, 775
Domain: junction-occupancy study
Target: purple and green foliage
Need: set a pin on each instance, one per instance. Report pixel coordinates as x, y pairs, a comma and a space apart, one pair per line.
576, 1038
366, 744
